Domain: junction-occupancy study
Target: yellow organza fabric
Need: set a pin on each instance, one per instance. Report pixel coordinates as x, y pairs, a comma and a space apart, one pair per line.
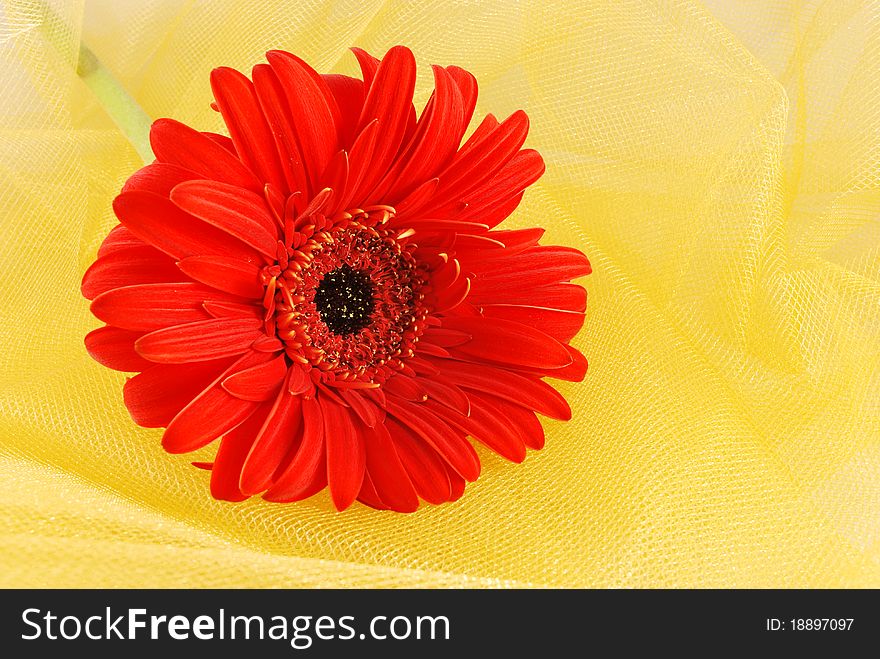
720, 164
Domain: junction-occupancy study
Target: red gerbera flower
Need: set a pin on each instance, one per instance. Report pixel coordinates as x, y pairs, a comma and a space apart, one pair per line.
326, 291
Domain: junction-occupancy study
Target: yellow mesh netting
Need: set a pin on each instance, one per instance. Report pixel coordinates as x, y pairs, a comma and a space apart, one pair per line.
718, 162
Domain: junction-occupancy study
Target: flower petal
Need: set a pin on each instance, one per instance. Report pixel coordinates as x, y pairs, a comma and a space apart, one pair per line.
258, 383
346, 454
369, 65
494, 215
560, 324
425, 348
486, 425
158, 178
223, 309
238, 104
467, 86
570, 297
272, 101
431, 225
524, 168
424, 466
210, 414
148, 307
276, 438
313, 110
578, 368
141, 264
445, 337
574, 372
453, 447
153, 403
359, 161
389, 477
471, 167
483, 245
368, 413
240, 278
510, 439
238, 213
507, 342
456, 485
396, 72
453, 295
542, 265
118, 238
200, 341
222, 140
517, 240
335, 177
114, 348
178, 144
299, 382
308, 468
526, 423
234, 448
317, 481
486, 127
368, 495
416, 199
530, 392
161, 223
447, 393
349, 95
275, 201
268, 343
435, 140
422, 366
405, 387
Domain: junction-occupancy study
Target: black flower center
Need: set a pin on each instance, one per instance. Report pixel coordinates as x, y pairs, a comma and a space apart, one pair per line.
344, 299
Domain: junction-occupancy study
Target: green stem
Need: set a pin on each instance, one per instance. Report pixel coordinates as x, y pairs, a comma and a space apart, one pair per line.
125, 112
